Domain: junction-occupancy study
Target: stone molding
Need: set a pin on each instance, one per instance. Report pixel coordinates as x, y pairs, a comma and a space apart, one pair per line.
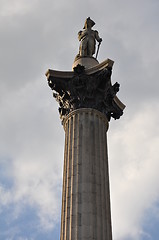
69, 74
86, 110
88, 62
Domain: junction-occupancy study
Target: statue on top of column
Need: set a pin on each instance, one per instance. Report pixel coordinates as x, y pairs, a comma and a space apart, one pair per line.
88, 38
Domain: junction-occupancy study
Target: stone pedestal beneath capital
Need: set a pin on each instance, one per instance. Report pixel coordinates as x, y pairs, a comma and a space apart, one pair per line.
87, 62
86, 198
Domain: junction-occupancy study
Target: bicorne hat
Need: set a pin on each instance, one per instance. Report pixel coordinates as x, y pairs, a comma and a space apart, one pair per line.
89, 20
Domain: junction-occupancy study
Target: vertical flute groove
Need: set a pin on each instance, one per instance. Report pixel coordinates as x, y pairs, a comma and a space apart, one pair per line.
100, 179
72, 177
104, 182
77, 181
64, 185
67, 219
101, 176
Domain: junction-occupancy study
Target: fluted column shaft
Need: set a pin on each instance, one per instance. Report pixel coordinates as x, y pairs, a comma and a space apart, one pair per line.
86, 198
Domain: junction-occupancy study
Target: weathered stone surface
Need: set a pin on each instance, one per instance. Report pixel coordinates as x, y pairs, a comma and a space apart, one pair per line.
88, 38
86, 88
86, 201
87, 62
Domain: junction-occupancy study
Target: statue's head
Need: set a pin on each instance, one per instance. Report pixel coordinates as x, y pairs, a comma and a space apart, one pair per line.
89, 23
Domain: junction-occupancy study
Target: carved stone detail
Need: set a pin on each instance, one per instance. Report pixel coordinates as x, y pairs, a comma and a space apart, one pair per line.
84, 90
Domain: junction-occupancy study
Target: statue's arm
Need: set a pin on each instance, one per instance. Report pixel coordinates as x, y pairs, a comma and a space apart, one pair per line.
97, 37
79, 35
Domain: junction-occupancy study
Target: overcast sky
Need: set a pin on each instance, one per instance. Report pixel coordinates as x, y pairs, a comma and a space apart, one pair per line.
36, 35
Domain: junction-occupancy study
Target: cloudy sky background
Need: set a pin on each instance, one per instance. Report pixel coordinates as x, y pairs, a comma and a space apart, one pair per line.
36, 35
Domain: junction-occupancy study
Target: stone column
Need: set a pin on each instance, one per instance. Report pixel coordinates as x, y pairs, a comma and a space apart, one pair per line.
86, 198
87, 101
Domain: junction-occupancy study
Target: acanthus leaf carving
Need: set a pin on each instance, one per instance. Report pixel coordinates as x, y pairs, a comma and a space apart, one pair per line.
86, 91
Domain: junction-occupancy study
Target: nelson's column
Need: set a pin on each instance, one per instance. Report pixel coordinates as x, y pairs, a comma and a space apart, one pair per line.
87, 101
